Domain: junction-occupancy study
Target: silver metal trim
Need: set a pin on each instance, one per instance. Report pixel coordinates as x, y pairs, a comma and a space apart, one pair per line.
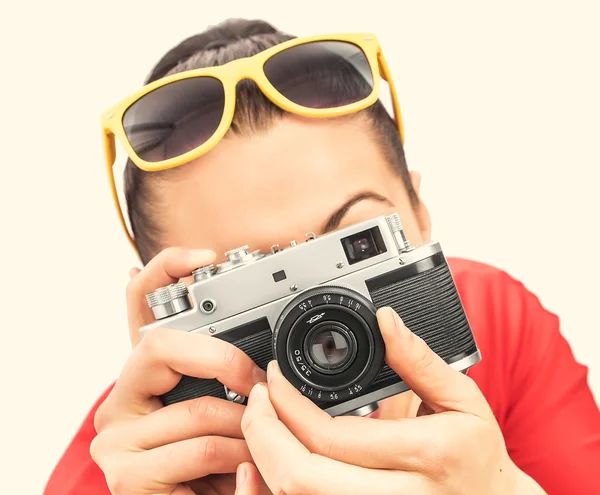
213, 306
364, 410
169, 301
233, 396
204, 273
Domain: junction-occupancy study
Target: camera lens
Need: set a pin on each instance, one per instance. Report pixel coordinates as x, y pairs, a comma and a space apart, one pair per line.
330, 347
328, 344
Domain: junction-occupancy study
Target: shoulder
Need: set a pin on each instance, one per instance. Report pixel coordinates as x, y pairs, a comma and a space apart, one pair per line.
512, 328
499, 306
493, 296
471, 274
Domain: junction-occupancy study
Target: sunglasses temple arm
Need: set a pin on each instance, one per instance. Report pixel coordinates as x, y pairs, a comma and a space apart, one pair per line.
110, 153
387, 76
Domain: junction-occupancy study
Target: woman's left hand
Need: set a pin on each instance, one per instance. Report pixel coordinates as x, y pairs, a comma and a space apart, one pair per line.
457, 448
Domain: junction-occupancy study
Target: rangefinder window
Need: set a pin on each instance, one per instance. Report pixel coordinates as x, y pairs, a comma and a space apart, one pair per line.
363, 245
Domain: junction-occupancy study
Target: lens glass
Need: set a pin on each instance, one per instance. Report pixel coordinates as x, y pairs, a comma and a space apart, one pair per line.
175, 119
321, 74
329, 348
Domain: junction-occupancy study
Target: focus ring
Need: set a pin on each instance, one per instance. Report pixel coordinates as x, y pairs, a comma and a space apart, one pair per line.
334, 304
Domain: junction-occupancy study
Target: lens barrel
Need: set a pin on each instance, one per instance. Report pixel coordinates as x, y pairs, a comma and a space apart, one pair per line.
328, 344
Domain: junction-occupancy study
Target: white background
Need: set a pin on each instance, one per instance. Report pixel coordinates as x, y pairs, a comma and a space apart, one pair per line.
501, 108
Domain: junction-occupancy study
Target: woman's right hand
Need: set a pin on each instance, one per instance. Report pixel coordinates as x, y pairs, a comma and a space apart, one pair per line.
145, 448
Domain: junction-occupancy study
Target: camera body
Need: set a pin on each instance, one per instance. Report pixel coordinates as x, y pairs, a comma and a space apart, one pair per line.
311, 306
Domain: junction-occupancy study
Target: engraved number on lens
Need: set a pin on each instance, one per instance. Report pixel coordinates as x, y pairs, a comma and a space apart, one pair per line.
305, 369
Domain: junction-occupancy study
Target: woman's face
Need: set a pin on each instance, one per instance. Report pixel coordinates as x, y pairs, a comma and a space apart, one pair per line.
300, 176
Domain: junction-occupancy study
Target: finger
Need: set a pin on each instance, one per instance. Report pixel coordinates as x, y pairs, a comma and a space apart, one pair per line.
180, 421
215, 484
288, 467
158, 362
265, 434
168, 267
247, 480
406, 444
437, 384
194, 458
424, 410
182, 490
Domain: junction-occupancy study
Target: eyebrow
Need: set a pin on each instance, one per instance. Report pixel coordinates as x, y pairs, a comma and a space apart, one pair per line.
334, 220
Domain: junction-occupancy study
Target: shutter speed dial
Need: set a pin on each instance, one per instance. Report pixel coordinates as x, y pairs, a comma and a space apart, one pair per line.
168, 301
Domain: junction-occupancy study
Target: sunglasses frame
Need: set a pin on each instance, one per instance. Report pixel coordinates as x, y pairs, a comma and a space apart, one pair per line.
230, 74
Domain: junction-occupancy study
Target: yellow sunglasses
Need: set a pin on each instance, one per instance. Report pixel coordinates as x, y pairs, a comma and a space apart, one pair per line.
179, 118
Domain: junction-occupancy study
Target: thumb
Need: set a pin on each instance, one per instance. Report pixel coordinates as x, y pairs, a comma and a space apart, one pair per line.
247, 480
437, 384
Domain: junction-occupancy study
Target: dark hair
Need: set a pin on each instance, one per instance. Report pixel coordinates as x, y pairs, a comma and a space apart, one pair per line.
230, 40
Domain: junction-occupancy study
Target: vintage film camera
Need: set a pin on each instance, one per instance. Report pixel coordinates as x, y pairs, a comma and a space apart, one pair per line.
311, 306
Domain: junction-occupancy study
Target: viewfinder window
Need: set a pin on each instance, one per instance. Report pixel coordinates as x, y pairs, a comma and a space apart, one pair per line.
363, 245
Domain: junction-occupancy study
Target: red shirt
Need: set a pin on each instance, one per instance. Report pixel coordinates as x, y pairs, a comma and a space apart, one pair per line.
538, 392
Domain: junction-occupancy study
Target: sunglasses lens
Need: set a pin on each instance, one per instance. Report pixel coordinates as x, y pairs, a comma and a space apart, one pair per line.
175, 119
321, 74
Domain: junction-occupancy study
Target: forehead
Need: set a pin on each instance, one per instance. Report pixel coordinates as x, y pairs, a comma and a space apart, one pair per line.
281, 181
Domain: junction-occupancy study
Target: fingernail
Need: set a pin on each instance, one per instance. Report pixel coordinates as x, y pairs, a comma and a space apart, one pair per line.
272, 369
133, 272
258, 392
241, 476
400, 326
393, 319
258, 375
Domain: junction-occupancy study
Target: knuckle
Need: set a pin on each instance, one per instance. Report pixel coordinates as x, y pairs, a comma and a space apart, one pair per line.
105, 445
439, 457
483, 432
208, 449
117, 479
423, 355
324, 444
469, 387
96, 449
104, 415
232, 357
203, 407
292, 483
100, 418
153, 342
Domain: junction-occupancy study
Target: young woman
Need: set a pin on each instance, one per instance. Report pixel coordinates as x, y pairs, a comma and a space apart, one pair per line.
278, 139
